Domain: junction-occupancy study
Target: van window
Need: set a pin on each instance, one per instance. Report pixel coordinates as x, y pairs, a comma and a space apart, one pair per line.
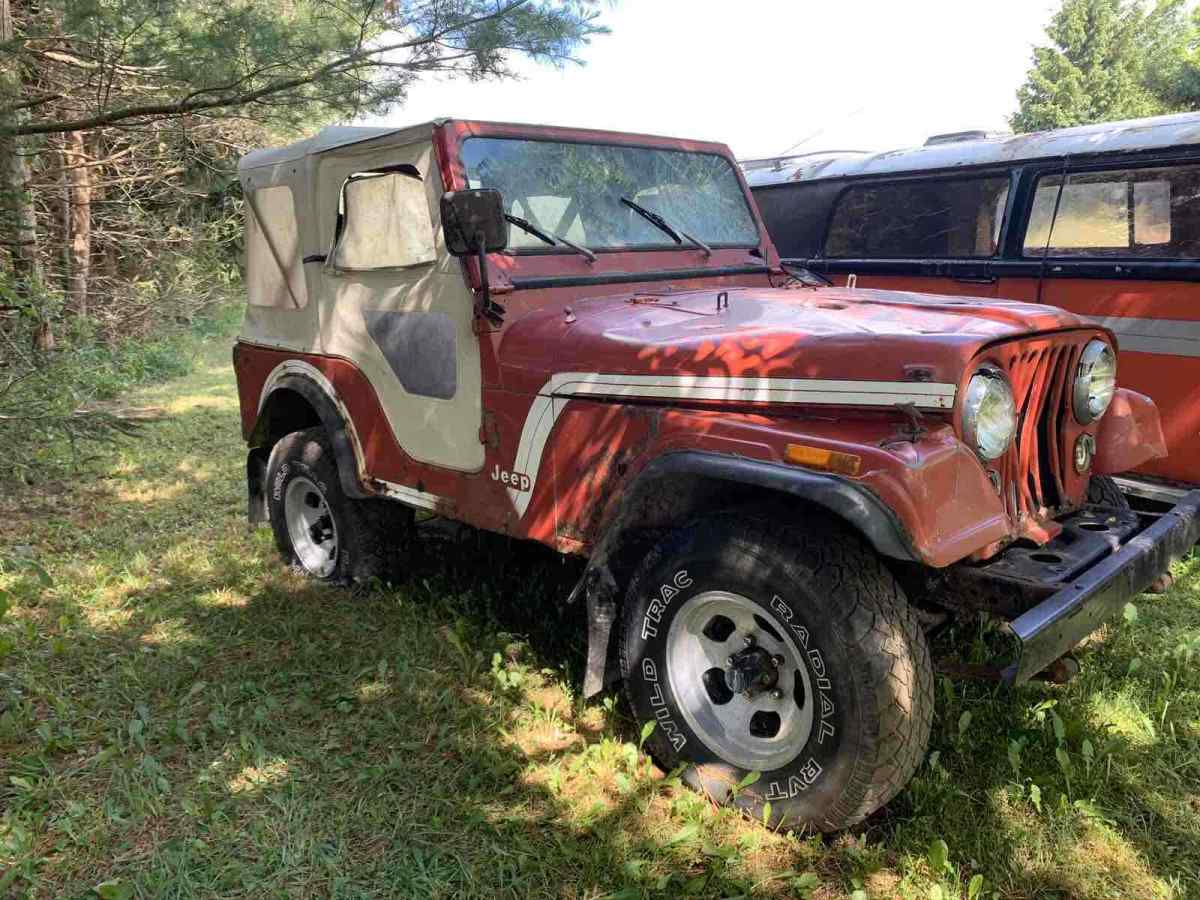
274, 272
948, 217
1145, 213
385, 223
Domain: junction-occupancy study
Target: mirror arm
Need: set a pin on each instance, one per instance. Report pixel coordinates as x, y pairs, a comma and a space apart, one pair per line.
488, 308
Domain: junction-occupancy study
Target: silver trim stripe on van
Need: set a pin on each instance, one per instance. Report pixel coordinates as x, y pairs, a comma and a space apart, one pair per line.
1170, 337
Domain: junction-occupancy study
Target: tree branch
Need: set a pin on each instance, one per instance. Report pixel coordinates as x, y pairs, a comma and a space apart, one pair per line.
197, 104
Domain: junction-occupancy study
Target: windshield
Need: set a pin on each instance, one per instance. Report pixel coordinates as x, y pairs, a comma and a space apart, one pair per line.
575, 190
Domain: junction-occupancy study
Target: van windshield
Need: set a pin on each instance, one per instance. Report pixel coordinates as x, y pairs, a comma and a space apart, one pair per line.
575, 190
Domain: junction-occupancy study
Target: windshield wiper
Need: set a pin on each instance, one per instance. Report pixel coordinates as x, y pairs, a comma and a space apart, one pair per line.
676, 234
549, 237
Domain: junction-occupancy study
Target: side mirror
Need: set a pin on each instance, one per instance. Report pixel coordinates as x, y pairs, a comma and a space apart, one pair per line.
473, 222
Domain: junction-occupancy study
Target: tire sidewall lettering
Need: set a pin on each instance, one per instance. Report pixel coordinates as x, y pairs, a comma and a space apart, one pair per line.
279, 481
824, 727
663, 715
658, 605
817, 769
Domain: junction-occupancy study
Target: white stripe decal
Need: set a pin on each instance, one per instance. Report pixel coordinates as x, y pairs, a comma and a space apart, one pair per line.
758, 390
1169, 337
404, 494
552, 399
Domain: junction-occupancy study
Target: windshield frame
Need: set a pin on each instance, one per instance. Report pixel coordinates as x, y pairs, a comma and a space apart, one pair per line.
553, 135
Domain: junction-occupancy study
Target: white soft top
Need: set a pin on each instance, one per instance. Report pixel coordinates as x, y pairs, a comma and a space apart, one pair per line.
1157, 133
329, 138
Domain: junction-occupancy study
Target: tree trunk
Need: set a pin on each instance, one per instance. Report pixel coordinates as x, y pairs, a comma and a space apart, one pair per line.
58, 232
18, 218
79, 180
20, 225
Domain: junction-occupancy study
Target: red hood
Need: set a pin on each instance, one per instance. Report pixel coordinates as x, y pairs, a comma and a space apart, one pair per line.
827, 333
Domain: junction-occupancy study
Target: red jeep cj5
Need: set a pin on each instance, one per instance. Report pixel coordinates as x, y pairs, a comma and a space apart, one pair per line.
586, 339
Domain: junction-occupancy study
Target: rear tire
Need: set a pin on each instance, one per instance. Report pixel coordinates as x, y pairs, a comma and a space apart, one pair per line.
321, 531
843, 717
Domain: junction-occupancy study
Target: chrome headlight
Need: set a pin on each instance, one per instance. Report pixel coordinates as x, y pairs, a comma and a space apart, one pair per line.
989, 414
1095, 381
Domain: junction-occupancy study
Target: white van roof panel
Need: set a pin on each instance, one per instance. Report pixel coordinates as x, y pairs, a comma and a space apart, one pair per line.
1157, 133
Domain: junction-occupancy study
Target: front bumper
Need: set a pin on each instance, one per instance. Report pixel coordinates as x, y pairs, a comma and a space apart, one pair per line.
1090, 596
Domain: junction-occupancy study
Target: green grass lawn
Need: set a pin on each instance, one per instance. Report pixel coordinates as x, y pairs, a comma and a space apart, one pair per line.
181, 717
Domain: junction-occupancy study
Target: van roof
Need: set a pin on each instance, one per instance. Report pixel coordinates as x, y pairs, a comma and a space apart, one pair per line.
1159, 132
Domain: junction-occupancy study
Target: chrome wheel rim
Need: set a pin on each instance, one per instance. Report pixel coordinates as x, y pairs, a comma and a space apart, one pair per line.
761, 729
311, 527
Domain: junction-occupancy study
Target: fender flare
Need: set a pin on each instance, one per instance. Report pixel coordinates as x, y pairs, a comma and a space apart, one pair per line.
851, 502
319, 393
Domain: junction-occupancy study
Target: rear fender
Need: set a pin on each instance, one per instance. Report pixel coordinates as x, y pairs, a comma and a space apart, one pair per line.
314, 388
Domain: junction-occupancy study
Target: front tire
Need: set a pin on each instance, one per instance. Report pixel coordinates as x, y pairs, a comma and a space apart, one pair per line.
321, 531
839, 704
1103, 491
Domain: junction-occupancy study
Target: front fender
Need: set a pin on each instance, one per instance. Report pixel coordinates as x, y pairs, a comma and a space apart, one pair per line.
922, 497
850, 501
1130, 434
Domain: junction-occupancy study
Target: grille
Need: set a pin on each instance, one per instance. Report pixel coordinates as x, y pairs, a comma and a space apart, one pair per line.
1035, 471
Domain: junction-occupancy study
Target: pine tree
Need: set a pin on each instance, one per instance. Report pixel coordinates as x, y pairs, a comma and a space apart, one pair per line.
1109, 60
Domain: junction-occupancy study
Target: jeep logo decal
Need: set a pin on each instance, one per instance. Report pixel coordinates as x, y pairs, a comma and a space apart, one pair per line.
518, 481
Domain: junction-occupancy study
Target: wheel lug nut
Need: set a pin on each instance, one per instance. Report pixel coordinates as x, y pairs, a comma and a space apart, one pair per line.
749, 640
729, 661
777, 694
777, 660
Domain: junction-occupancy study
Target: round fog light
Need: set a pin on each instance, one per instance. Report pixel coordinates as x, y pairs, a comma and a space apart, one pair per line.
1085, 449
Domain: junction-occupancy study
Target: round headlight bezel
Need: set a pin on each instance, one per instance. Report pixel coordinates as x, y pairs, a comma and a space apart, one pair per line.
983, 383
1082, 392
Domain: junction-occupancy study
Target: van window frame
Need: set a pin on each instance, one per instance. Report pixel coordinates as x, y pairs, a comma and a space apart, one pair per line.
1116, 265
1010, 261
1009, 174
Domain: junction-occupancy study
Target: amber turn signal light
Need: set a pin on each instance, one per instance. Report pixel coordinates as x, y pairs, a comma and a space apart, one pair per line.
819, 458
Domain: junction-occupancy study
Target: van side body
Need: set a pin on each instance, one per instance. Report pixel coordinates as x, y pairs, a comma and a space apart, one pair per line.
1102, 220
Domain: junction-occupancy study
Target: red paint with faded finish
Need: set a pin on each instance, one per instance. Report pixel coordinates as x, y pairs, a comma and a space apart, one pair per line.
1173, 381
1129, 430
936, 486
776, 332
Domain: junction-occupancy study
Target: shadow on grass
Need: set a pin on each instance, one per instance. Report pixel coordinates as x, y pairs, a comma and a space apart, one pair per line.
182, 715
185, 716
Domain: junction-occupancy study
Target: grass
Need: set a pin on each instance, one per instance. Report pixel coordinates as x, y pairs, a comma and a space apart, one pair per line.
40, 424
181, 717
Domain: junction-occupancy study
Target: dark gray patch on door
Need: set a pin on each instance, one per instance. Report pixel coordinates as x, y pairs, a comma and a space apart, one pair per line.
421, 348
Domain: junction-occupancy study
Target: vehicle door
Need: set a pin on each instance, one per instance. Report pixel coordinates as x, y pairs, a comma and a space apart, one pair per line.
394, 302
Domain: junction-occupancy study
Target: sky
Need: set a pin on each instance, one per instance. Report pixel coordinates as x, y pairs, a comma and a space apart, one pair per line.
769, 76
